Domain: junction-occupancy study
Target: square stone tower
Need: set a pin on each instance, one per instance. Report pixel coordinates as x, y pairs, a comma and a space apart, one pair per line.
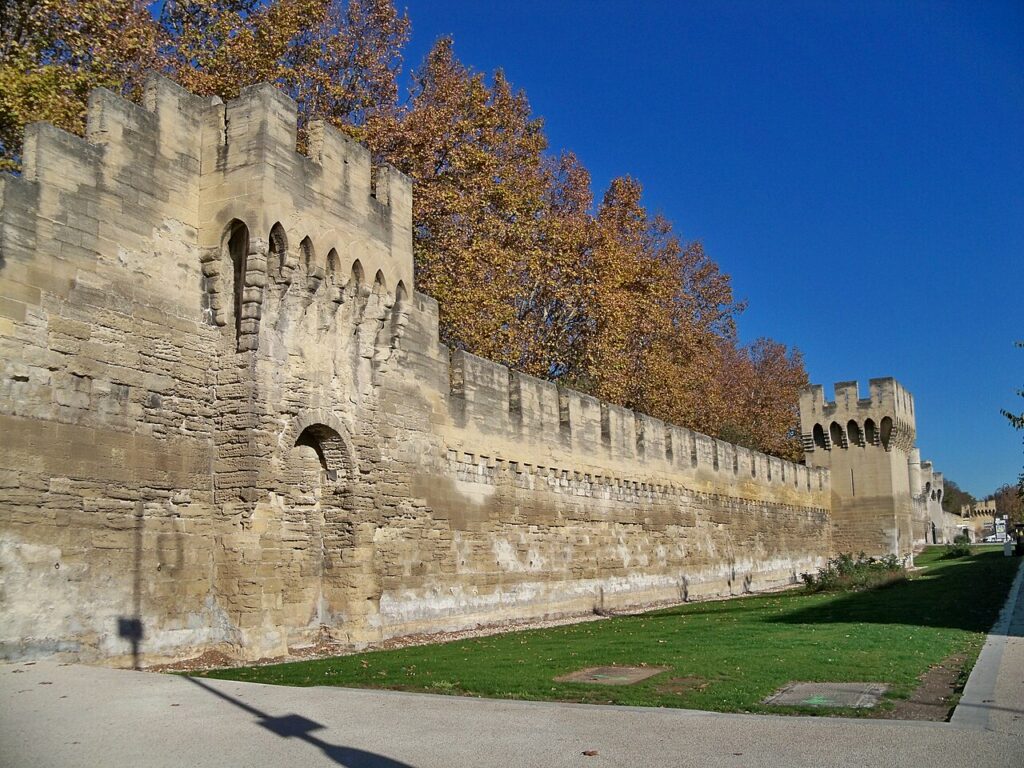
866, 443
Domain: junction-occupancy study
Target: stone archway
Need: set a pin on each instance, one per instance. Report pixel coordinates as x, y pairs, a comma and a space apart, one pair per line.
330, 449
319, 492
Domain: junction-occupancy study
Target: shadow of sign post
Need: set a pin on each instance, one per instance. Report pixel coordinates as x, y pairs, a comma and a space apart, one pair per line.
296, 726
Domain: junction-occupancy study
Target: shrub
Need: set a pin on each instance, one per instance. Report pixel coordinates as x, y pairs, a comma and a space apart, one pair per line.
959, 548
956, 550
845, 573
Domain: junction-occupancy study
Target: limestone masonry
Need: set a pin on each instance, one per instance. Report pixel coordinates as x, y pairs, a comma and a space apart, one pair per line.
227, 421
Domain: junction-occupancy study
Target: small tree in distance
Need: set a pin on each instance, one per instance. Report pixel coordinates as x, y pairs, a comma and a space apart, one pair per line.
1017, 422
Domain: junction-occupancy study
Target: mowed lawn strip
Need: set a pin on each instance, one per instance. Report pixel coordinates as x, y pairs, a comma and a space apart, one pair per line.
725, 655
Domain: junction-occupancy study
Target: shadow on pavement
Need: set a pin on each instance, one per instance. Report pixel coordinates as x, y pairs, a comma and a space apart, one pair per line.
299, 727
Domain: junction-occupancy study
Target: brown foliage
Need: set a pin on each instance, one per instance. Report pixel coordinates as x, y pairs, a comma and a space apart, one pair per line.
497, 226
761, 386
658, 313
1009, 502
54, 52
338, 60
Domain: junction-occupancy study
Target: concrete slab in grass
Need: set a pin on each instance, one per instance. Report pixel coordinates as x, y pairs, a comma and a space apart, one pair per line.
855, 695
611, 675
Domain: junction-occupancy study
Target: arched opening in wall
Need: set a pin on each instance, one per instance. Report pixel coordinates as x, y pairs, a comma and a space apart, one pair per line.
928, 489
333, 265
819, 437
853, 433
835, 433
938, 495
870, 433
308, 256
399, 315
357, 279
330, 449
885, 432
278, 249
238, 251
380, 285
335, 289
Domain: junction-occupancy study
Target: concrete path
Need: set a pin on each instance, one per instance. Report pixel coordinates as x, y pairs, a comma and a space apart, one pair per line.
993, 698
87, 716
69, 715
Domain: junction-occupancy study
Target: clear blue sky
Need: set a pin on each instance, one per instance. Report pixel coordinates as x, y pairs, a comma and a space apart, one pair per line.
858, 168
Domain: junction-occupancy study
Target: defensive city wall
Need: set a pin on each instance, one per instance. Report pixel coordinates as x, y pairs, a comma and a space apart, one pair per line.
227, 420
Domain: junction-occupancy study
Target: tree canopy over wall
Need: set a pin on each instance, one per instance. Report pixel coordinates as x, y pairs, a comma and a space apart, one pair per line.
527, 269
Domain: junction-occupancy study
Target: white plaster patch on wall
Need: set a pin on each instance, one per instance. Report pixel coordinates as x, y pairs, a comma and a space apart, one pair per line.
506, 556
540, 598
475, 492
44, 602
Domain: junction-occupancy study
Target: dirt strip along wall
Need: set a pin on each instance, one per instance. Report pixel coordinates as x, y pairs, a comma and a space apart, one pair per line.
226, 420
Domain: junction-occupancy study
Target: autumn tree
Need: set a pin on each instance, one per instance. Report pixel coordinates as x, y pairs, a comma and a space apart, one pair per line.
339, 60
482, 190
557, 284
1009, 502
954, 497
54, 52
761, 386
657, 314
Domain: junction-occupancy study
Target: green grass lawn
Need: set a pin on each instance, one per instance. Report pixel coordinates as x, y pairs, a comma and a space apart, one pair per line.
725, 655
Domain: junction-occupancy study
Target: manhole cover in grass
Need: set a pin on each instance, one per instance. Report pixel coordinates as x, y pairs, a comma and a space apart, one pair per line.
611, 675
856, 695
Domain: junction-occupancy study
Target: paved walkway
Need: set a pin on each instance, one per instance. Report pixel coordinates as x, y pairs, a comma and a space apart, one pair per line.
70, 715
993, 698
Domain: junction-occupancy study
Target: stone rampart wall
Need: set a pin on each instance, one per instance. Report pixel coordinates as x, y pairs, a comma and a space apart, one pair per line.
227, 420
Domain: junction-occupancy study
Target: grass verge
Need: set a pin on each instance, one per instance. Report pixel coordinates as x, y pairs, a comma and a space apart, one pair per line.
724, 656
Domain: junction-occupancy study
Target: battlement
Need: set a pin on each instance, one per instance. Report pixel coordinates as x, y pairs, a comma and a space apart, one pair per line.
332, 196
885, 417
517, 412
207, 166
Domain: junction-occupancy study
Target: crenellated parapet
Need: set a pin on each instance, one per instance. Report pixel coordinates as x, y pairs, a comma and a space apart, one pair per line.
516, 415
885, 418
218, 189
885, 499
326, 214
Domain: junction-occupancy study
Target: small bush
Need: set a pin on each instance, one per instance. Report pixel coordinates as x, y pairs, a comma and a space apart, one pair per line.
959, 548
846, 573
956, 550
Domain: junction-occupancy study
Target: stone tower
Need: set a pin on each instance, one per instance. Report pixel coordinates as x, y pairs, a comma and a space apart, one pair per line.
867, 444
